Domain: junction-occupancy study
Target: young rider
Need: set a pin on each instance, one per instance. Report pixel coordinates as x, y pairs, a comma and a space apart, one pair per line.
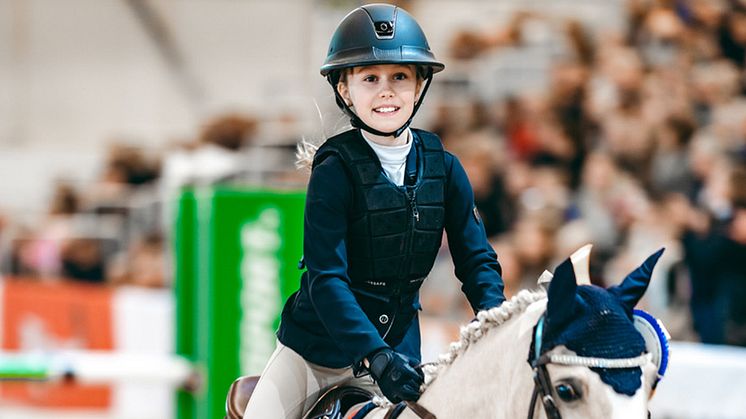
379, 198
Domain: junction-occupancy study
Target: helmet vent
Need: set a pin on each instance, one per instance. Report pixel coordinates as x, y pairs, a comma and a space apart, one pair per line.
384, 29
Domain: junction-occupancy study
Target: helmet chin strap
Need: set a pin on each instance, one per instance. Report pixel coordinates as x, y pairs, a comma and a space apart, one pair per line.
356, 122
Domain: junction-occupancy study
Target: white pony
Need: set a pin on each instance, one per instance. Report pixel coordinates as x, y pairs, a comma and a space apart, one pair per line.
486, 374
574, 351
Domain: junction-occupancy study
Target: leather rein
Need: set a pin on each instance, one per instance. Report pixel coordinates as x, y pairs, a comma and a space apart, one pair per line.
397, 409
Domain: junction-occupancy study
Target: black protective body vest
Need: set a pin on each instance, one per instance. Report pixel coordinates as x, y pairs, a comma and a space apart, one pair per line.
394, 232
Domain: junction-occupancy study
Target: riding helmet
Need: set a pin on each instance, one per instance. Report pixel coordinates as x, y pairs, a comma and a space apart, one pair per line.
378, 34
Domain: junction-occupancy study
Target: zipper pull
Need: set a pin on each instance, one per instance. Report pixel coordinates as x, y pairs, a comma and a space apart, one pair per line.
413, 203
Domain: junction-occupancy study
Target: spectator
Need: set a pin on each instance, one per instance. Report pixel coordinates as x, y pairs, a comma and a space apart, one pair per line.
483, 156
732, 35
82, 259
670, 163
143, 264
212, 157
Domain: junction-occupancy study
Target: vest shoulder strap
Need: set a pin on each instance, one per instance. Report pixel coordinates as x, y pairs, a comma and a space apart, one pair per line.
434, 154
346, 145
430, 141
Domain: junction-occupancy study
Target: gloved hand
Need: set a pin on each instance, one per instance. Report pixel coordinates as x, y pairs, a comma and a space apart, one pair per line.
397, 379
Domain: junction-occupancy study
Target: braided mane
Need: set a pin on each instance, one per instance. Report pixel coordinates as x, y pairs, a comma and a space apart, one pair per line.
473, 332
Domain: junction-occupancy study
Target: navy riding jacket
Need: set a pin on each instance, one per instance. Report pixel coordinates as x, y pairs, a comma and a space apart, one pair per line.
328, 323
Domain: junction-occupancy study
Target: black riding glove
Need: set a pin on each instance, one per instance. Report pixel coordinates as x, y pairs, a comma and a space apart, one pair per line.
397, 379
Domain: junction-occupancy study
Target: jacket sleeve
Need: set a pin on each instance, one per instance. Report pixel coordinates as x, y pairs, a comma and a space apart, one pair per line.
474, 259
325, 227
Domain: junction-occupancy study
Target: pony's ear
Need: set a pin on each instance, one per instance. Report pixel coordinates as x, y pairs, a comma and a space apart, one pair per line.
581, 264
561, 304
636, 283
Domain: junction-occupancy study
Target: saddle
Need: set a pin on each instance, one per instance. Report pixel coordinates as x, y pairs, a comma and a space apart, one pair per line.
332, 404
238, 397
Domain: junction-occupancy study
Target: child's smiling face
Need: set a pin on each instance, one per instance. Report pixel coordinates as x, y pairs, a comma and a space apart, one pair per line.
382, 96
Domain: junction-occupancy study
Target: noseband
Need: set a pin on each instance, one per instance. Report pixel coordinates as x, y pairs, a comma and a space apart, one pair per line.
543, 382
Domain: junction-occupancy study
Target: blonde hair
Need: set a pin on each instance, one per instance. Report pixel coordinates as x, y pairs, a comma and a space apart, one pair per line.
305, 151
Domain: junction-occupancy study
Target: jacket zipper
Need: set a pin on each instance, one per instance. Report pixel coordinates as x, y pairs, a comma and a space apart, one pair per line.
412, 195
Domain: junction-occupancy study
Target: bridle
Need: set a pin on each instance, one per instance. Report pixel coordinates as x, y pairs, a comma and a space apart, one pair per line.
543, 382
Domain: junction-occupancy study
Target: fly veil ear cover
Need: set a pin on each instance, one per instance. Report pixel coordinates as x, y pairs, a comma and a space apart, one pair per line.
652, 330
656, 339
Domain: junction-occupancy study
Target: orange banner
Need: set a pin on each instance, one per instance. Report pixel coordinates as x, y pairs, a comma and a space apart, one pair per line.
54, 316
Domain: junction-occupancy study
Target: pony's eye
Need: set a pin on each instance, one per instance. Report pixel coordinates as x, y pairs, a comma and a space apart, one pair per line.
567, 392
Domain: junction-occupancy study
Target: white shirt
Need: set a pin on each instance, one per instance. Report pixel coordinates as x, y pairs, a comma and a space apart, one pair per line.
393, 157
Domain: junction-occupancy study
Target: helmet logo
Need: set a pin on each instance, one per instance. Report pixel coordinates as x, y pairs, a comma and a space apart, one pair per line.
384, 29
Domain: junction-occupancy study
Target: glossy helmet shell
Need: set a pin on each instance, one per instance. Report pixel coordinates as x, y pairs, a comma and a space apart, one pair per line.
378, 34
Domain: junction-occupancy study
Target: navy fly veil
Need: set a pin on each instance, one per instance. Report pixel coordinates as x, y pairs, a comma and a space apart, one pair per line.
596, 322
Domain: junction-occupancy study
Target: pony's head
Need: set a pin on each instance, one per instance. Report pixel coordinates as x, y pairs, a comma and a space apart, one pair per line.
588, 353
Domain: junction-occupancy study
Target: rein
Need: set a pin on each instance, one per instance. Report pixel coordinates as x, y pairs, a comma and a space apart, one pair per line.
420, 410
397, 409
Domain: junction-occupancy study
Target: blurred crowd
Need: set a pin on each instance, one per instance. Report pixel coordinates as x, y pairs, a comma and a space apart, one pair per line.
637, 141
114, 231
